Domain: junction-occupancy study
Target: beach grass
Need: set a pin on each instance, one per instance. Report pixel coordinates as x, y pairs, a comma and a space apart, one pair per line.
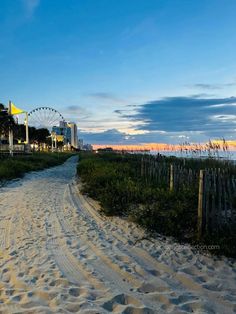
17, 166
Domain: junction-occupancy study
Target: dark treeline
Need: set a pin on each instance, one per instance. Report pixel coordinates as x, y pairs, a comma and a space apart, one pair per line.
35, 135
138, 187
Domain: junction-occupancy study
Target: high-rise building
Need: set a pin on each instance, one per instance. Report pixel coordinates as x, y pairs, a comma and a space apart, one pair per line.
62, 124
74, 136
80, 143
68, 131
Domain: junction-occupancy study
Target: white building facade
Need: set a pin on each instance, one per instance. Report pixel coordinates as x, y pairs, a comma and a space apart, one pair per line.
74, 135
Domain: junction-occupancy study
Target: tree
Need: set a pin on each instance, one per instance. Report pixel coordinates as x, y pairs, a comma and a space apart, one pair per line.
7, 121
41, 135
19, 132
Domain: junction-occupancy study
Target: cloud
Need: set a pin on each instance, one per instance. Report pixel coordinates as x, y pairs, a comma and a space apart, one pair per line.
105, 97
74, 112
30, 7
202, 95
187, 114
213, 86
144, 31
222, 105
195, 118
224, 118
207, 86
112, 136
75, 109
119, 111
167, 120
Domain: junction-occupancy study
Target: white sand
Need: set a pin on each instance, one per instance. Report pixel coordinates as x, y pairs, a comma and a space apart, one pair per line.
58, 255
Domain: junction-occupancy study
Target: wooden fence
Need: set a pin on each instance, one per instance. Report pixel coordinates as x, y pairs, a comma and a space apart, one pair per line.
219, 201
215, 187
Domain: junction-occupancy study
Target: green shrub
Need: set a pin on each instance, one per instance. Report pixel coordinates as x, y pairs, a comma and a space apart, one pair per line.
170, 214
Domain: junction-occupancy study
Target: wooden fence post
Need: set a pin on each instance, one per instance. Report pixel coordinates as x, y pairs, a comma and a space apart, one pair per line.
171, 178
200, 205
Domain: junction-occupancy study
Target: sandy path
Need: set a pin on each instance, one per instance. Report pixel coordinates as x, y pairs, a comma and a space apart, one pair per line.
59, 255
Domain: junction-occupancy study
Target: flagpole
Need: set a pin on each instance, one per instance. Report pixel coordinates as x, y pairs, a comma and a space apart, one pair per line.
10, 133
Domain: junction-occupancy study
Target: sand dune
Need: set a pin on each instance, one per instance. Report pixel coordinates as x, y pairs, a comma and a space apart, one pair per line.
59, 255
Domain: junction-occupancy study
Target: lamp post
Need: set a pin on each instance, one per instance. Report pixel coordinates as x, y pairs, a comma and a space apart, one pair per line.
54, 141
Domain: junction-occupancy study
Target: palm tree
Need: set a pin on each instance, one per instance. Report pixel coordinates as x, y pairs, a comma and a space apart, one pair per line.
6, 121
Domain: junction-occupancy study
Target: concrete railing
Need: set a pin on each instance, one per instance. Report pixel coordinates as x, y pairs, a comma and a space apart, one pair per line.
16, 148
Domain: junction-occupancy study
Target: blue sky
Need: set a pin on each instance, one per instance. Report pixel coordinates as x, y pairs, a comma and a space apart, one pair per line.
126, 71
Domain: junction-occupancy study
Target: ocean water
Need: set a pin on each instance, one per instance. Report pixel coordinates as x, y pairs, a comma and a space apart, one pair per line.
229, 155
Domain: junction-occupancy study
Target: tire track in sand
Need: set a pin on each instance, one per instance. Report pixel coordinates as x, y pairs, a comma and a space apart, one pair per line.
103, 267
69, 266
140, 256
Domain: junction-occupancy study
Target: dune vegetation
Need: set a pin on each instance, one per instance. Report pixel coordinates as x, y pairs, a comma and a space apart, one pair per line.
17, 166
125, 185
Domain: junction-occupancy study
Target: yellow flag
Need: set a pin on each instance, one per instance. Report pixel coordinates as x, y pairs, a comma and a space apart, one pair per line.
15, 110
60, 138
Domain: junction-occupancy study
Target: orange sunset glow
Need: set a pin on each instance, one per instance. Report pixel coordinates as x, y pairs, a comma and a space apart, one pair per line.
231, 145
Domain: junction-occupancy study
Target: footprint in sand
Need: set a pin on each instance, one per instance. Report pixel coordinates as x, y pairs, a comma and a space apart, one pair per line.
123, 303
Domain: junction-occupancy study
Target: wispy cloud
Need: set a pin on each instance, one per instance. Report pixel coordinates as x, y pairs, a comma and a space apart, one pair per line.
222, 105
147, 27
213, 86
74, 112
30, 7
207, 86
224, 118
110, 97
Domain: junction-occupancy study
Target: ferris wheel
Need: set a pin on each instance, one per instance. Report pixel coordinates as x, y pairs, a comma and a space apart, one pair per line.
45, 117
